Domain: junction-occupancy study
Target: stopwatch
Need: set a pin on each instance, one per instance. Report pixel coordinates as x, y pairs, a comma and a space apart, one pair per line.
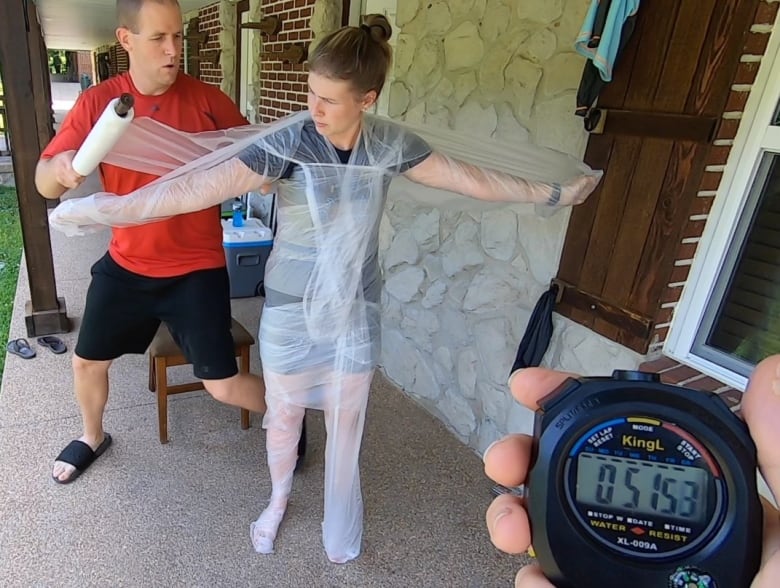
642, 484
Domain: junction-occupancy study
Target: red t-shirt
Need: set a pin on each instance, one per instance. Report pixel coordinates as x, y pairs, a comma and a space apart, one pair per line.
181, 244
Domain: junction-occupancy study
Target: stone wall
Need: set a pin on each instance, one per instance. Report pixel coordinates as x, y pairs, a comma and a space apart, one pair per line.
225, 40
491, 67
460, 285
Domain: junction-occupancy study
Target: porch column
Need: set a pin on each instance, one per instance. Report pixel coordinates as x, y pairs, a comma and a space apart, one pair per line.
25, 83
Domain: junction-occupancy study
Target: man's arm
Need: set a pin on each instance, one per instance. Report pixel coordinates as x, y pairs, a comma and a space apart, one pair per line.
55, 175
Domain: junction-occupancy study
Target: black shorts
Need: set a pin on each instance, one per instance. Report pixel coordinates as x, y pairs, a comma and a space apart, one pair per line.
124, 310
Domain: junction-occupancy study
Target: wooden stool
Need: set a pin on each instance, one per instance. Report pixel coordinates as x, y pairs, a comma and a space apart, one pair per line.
165, 353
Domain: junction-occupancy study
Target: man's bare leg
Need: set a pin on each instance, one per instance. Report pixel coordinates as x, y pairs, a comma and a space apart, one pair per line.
90, 379
242, 390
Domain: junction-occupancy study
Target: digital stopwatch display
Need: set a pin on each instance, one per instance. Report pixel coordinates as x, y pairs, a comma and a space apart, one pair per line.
644, 487
643, 484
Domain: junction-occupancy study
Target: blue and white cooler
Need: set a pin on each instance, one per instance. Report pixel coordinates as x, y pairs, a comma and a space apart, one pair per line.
246, 251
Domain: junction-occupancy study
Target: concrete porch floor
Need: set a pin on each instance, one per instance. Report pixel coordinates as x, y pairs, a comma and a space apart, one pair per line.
147, 514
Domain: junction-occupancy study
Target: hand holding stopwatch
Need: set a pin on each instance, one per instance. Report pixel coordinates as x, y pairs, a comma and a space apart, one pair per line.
642, 484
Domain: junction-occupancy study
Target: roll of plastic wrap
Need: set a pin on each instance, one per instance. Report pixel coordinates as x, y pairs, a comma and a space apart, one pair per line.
114, 121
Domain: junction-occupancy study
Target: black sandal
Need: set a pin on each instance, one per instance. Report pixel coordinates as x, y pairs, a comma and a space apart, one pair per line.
54, 343
80, 456
21, 348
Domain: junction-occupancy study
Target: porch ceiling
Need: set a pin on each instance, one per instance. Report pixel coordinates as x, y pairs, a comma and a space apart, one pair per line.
86, 24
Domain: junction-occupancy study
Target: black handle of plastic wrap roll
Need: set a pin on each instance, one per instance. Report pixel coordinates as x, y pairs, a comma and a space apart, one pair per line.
124, 105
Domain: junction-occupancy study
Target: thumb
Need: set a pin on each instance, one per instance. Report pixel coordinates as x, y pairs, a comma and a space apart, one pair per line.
531, 577
761, 409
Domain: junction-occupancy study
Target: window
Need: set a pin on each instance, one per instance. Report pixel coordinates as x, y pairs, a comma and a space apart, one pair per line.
742, 324
728, 318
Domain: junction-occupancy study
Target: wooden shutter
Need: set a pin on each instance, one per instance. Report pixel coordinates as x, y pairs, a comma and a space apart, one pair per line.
122, 59
661, 112
112, 60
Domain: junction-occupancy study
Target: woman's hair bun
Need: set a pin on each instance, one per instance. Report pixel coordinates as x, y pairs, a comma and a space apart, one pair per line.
378, 27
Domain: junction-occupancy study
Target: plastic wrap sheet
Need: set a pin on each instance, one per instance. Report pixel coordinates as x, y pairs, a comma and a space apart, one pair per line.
154, 148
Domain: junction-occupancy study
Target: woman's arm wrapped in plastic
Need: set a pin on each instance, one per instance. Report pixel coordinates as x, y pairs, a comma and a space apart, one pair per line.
447, 173
202, 189
194, 191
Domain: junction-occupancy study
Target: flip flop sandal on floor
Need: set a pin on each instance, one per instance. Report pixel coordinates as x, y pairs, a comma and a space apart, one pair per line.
54, 343
21, 348
80, 456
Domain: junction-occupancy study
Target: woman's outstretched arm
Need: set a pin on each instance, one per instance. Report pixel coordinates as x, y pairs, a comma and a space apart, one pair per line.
195, 191
448, 173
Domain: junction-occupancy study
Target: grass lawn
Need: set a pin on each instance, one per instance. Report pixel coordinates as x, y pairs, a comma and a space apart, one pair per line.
10, 257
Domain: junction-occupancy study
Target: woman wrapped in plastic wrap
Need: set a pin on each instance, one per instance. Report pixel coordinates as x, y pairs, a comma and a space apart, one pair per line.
319, 331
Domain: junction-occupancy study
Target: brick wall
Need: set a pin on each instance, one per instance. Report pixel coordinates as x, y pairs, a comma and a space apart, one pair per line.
673, 372
283, 85
752, 52
84, 64
211, 73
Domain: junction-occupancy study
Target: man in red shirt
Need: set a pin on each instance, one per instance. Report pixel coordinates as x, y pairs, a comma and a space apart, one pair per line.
173, 270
